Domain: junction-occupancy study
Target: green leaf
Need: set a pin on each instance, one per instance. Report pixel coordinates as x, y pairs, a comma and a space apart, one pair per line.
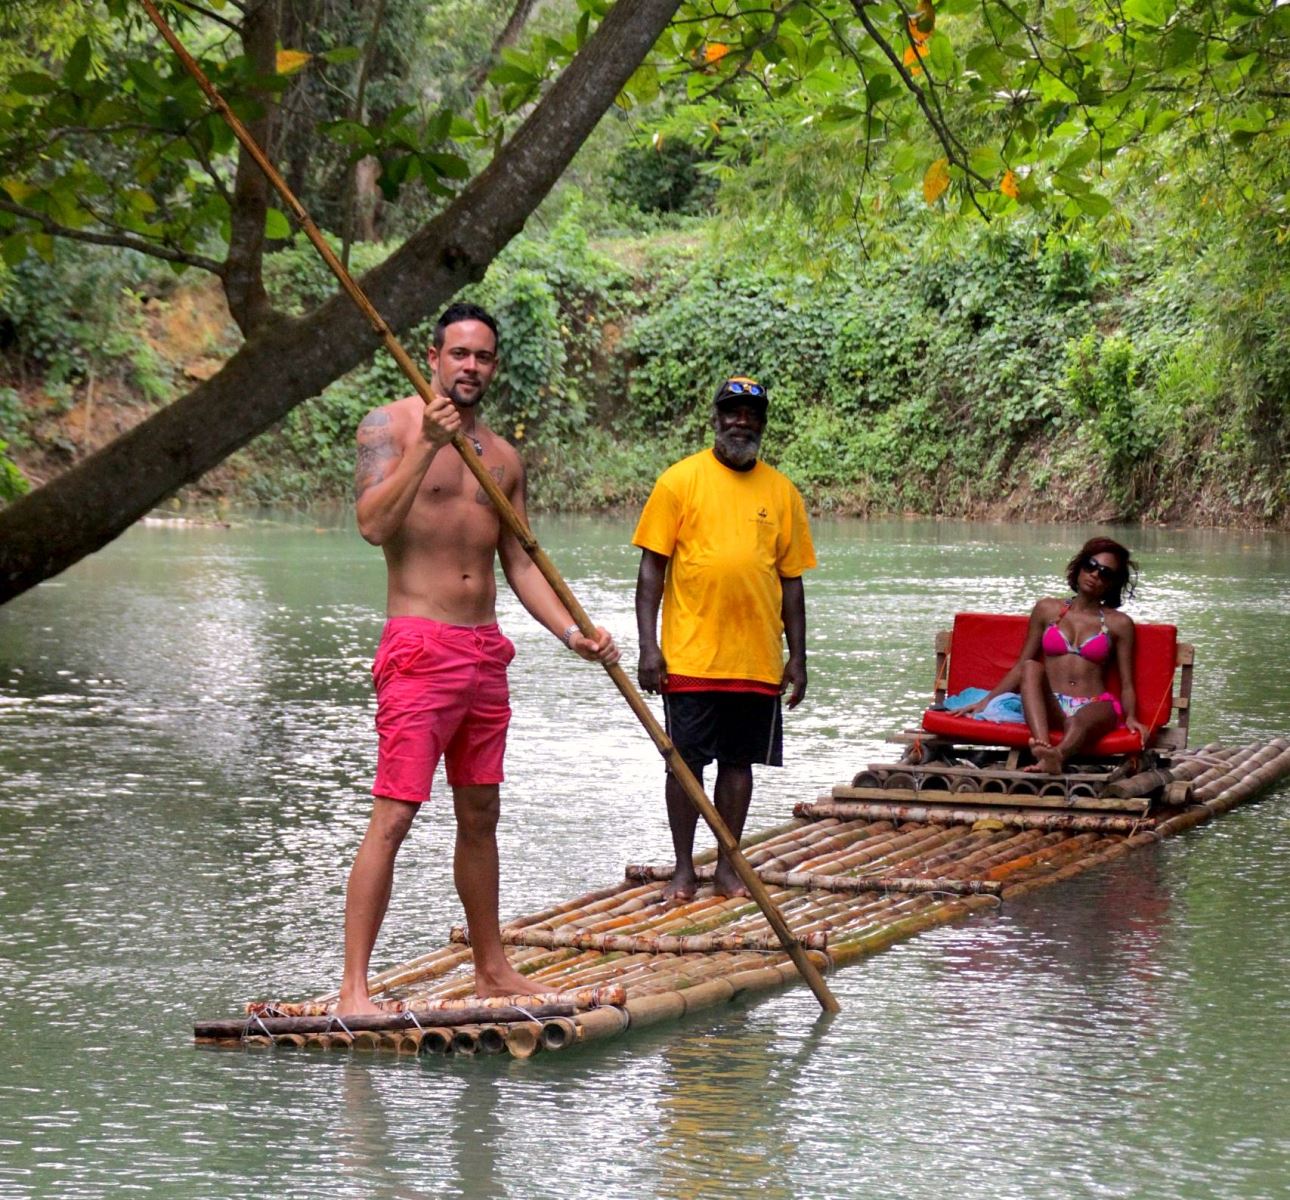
1064, 25
276, 225
986, 162
942, 56
1146, 12
450, 166
78, 63
14, 249
1093, 204
33, 83
341, 55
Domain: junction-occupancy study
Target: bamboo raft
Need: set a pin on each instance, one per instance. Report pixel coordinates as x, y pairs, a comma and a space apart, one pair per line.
869, 864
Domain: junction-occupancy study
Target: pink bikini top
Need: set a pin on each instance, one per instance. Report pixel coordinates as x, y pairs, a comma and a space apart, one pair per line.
1096, 649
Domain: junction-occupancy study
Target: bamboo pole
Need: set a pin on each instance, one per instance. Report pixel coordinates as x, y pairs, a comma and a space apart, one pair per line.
957, 816
659, 943
510, 518
816, 881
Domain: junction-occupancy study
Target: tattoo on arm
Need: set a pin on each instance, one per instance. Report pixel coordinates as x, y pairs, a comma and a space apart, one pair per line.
378, 452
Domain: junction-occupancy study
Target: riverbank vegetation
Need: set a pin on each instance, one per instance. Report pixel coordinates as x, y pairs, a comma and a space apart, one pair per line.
1071, 305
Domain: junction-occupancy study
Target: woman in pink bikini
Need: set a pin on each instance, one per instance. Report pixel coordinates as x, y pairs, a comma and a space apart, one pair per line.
1061, 673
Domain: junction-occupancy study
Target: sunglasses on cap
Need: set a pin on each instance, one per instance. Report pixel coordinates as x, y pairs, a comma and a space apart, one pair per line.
741, 387
1101, 570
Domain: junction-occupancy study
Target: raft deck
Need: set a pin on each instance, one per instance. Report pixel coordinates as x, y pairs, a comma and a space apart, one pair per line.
854, 871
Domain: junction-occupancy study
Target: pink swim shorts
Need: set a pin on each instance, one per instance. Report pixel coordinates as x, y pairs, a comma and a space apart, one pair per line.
440, 692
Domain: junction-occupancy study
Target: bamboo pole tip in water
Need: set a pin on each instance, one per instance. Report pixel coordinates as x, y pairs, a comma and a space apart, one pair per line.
492, 1039
437, 1040
523, 1040
558, 1032
464, 1040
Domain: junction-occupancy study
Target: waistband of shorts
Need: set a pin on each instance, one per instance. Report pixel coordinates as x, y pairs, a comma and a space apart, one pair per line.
399, 624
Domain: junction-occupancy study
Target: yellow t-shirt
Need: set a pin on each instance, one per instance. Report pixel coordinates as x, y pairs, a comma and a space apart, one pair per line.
730, 536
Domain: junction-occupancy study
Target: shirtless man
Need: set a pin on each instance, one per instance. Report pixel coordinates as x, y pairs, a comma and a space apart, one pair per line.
440, 671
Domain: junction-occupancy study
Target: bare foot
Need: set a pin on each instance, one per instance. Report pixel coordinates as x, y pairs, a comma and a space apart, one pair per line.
680, 888
725, 882
355, 1003
1048, 759
504, 981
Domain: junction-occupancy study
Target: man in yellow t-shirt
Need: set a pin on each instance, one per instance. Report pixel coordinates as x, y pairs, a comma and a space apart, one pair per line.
724, 540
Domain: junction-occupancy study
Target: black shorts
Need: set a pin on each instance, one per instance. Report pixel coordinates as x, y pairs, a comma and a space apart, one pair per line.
734, 728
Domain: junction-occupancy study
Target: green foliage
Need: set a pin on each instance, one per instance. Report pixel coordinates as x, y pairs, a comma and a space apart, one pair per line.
662, 177
896, 384
79, 313
1101, 378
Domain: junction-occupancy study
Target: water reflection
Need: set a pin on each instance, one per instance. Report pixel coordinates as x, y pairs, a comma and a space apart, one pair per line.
706, 1135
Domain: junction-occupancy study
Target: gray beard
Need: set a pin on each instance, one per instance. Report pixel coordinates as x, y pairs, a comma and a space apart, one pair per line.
738, 452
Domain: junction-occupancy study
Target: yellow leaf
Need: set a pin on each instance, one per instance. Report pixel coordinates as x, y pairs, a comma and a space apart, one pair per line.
987, 824
1008, 185
17, 189
923, 22
657, 141
715, 52
936, 180
290, 61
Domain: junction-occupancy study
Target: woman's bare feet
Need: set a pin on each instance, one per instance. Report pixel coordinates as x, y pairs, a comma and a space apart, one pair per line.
1048, 759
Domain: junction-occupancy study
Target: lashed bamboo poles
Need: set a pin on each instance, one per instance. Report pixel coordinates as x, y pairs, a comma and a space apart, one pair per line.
661, 987
523, 535
393, 1022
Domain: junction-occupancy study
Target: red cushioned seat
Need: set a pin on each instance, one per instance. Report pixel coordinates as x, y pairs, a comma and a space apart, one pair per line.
985, 645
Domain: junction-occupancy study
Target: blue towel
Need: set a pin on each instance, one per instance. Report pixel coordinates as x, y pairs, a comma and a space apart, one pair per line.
1005, 707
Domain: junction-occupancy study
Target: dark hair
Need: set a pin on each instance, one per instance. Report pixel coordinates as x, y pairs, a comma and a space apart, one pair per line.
462, 311
1124, 584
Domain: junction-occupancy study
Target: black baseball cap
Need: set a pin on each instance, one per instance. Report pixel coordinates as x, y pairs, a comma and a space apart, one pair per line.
739, 389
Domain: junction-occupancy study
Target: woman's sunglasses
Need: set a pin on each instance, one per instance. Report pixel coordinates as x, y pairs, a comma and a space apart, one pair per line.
1101, 570
736, 388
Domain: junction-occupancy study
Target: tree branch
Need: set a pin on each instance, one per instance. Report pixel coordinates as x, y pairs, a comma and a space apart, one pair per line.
124, 241
292, 359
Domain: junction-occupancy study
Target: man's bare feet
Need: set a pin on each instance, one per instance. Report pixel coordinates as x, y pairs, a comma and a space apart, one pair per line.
725, 882
1048, 759
355, 1003
681, 887
503, 981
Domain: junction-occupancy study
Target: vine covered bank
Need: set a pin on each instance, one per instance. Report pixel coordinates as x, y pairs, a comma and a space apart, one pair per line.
1004, 376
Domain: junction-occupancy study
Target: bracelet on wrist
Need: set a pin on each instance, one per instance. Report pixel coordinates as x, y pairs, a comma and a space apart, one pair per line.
567, 636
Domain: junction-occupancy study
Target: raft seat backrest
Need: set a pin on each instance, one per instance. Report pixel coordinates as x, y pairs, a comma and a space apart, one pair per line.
983, 646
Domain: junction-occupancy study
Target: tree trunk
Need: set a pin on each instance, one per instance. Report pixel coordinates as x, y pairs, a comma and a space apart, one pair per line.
243, 278
290, 360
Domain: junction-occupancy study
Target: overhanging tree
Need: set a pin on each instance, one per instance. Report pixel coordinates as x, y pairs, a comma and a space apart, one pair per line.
285, 361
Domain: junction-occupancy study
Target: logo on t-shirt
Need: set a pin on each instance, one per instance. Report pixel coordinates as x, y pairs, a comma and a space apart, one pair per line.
763, 518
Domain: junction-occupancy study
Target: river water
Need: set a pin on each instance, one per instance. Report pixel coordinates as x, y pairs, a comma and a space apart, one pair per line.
185, 750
